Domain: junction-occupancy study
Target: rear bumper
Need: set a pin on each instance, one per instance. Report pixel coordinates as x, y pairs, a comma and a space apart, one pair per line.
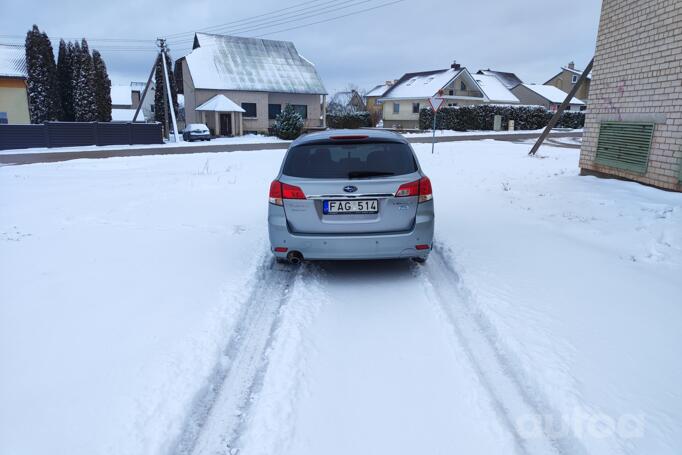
198, 136
353, 247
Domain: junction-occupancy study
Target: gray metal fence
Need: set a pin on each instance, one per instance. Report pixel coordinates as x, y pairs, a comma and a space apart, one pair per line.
70, 134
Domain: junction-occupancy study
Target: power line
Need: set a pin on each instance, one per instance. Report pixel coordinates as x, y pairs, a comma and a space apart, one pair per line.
316, 22
258, 22
243, 20
122, 40
274, 23
226, 29
332, 18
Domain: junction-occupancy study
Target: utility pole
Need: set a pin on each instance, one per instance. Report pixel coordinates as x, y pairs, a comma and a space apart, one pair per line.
561, 109
163, 52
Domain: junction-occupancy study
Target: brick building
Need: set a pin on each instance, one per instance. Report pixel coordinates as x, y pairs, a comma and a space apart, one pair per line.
633, 127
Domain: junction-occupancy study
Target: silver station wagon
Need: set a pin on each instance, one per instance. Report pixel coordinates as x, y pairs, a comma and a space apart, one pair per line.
350, 194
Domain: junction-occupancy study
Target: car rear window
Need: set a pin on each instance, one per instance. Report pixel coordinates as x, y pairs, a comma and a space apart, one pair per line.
349, 161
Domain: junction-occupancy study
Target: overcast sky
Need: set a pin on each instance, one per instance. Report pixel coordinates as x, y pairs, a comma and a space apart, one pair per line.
531, 38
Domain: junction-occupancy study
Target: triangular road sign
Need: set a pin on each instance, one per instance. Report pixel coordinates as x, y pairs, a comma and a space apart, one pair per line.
436, 103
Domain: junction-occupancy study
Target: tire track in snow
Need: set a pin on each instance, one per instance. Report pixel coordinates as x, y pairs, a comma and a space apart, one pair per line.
220, 407
511, 397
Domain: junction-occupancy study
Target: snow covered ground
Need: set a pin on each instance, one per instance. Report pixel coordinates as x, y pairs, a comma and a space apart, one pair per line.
141, 313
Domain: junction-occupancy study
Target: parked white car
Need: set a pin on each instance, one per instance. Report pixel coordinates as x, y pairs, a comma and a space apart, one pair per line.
196, 132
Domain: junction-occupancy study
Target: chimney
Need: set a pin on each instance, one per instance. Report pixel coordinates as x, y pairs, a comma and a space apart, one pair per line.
571, 65
390, 83
455, 65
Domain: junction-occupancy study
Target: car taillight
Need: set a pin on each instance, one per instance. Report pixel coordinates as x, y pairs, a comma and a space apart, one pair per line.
349, 137
421, 188
276, 192
280, 191
425, 190
292, 192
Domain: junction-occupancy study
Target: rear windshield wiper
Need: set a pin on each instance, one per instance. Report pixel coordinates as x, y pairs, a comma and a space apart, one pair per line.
366, 174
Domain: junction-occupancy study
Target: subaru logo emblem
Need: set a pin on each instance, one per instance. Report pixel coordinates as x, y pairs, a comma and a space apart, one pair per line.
350, 189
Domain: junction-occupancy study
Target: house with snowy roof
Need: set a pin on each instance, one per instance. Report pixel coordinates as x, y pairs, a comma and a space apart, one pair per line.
376, 92
13, 89
125, 99
346, 101
509, 80
236, 85
567, 78
547, 96
403, 100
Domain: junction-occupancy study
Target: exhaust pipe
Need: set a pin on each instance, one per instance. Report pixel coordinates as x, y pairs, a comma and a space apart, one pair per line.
294, 257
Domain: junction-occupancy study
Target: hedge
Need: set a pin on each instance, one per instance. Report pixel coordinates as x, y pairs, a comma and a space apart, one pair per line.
351, 120
481, 117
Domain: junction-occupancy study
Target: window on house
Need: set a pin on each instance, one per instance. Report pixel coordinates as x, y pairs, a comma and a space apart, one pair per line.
582, 108
415, 108
396, 108
250, 109
302, 110
568, 108
451, 92
462, 86
3, 118
574, 79
274, 110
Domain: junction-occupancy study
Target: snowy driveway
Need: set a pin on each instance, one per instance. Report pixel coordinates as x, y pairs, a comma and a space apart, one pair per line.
141, 313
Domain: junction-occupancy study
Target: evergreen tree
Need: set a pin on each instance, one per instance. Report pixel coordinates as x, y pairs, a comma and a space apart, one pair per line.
160, 94
102, 87
84, 103
65, 77
289, 123
43, 89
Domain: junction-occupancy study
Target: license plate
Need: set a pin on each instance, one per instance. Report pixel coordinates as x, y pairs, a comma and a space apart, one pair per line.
342, 207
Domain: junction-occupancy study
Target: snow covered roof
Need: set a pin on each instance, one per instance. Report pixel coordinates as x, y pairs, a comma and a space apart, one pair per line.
12, 60
379, 90
494, 89
222, 62
137, 86
121, 95
509, 80
220, 103
551, 93
126, 115
575, 71
342, 98
422, 85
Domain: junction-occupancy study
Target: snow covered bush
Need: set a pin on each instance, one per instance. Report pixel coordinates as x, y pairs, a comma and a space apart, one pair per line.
351, 120
289, 123
572, 120
42, 83
481, 117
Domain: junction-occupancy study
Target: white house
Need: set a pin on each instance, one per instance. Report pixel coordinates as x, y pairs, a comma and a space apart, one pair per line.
547, 96
257, 77
126, 98
404, 99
